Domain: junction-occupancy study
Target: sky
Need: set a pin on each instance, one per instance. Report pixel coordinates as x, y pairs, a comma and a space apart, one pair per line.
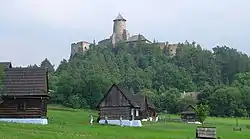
32, 30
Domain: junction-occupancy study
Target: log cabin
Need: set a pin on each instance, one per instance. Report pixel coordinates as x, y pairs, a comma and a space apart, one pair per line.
24, 95
147, 109
120, 104
189, 114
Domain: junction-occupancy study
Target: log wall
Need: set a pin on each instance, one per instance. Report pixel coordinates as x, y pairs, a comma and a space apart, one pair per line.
114, 113
34, 108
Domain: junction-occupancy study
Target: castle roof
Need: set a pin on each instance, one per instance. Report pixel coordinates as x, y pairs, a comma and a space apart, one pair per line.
119, 17
136, 38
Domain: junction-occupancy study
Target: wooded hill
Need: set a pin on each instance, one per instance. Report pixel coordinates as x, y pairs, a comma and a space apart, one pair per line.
222, 76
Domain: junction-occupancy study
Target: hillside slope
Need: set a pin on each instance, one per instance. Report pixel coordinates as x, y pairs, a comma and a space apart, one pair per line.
83, 80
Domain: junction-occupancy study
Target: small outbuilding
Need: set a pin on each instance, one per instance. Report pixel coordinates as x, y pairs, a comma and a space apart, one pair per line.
24, 95
147, 109
118, 103
189, 114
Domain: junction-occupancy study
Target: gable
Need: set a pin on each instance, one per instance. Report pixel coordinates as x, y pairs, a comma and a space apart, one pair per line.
190, 108
114, 98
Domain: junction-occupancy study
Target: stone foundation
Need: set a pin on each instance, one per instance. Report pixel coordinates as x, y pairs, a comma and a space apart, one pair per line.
134, 123
25, 120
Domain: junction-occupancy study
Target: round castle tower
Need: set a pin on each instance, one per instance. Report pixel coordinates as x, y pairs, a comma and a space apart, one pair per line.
119, 29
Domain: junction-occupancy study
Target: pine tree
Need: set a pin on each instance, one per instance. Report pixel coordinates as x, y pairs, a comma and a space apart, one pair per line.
46, 64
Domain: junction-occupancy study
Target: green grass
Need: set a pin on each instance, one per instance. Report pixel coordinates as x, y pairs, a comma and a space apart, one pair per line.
74, 124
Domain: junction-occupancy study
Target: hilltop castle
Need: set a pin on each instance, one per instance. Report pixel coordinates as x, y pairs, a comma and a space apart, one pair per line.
121, 34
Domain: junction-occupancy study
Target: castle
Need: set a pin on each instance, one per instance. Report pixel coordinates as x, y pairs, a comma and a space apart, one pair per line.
121, 34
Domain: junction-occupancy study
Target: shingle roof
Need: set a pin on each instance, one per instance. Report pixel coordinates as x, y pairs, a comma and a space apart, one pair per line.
25, 81
140, 100
136, 100
143, 101
119, 17
136, 38
187, 111
128, 95
6, 64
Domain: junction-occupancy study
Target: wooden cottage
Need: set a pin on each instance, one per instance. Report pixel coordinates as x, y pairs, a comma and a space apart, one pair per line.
147, 109
189, 114
25, 95
119, 103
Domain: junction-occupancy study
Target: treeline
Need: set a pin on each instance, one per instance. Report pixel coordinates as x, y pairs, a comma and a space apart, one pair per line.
222, 77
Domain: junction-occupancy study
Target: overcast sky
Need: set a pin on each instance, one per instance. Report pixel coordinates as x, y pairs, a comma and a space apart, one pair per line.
31, 30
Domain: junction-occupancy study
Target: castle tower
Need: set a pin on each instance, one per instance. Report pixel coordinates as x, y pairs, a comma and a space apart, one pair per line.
119, 29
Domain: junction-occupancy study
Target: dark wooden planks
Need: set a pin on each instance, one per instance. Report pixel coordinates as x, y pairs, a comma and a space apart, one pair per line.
33, 108
25, 80
25, 93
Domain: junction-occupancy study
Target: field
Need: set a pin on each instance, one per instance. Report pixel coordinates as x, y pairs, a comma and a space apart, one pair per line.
74, 124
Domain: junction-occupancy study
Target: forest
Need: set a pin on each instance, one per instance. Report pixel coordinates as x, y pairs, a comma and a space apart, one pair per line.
221, 75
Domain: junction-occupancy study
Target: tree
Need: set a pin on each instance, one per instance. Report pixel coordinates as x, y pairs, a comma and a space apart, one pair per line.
202, 111
47, 64
222, 76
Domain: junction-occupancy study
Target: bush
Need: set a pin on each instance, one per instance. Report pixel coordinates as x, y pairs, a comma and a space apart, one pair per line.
248, 126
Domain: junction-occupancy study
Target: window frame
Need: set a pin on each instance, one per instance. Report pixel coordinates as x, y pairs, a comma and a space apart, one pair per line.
21, 107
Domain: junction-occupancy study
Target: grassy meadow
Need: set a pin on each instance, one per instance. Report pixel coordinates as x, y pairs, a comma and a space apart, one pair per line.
74, 124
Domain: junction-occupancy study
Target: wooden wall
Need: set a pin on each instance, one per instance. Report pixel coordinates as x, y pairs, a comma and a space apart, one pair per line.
34, 108
115, 113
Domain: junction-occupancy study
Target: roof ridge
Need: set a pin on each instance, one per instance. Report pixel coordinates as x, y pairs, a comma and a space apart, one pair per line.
126, 94
119, 17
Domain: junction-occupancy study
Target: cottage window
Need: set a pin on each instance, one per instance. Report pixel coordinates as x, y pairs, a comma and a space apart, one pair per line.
132, 111
21, 107
137, 113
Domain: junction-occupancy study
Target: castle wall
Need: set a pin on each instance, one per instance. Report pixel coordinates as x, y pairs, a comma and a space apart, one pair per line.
161, 45
79, 47
104, 42
121, 34
172, 49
